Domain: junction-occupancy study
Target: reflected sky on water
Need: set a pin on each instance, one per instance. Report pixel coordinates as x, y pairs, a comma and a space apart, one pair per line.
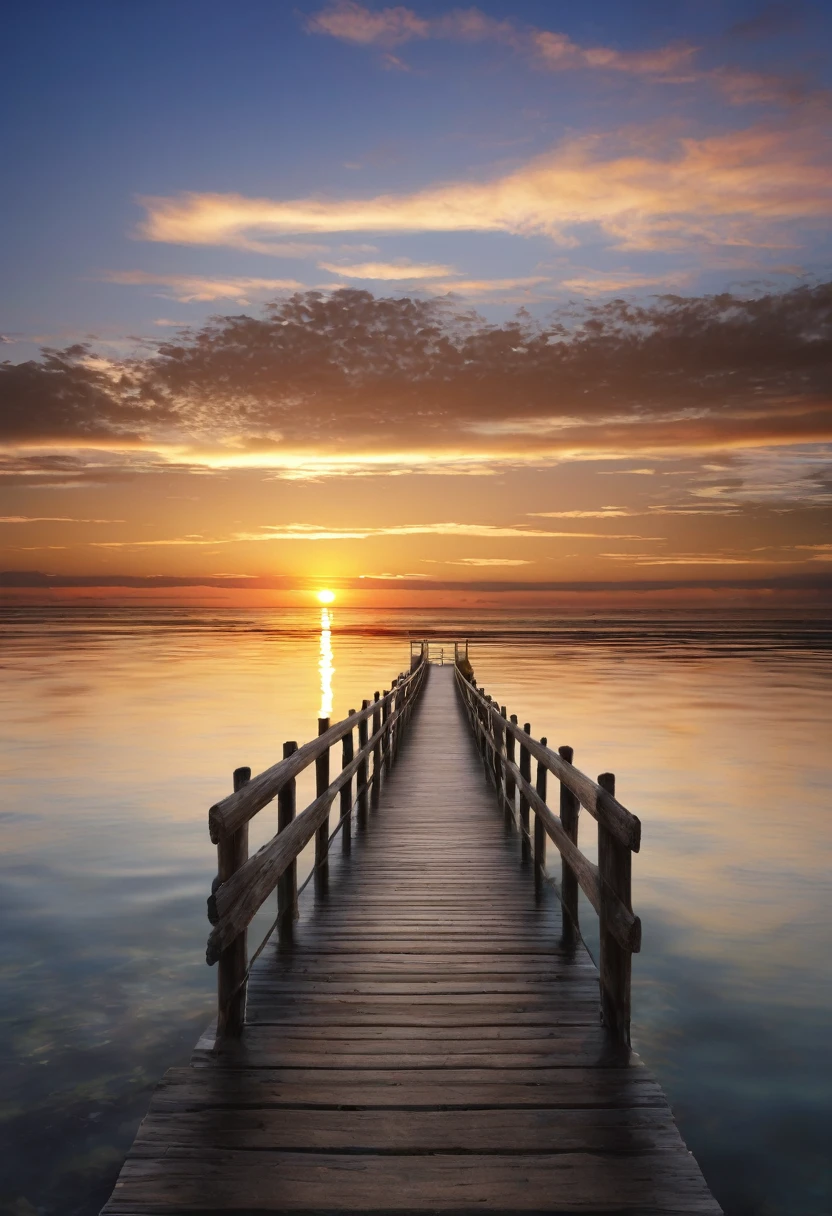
118, 728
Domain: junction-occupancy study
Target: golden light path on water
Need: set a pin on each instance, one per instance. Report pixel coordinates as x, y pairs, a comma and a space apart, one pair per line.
325, 665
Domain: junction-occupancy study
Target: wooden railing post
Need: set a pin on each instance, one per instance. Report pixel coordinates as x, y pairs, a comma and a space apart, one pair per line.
392, 730
489, 752
232, 963
479, 710
287, 884
497, 757
385, 738
362, 772
570, 807
347, 754
615, 872
404, 715
511, 785
376, 753
539, 828
525, 771
401, 707
321, 784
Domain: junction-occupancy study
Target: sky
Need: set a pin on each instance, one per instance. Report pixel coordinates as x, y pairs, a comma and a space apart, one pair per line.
521, 303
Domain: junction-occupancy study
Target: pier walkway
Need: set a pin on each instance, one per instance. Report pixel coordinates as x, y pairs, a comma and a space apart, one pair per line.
422, 1039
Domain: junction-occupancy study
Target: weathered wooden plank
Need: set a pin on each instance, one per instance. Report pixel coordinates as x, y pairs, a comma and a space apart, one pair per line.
355, 1036
551, 1088
277, 1181
630, 1130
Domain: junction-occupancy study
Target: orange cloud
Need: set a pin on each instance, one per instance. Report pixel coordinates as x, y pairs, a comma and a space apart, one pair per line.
728, 189
550, 49
188, 287
353, 22
384, 271
558, 51
598, 284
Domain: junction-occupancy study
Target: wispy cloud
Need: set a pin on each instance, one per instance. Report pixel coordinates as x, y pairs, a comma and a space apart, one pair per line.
603, 513
188, 288
354, 23
600, 284
560, 52
53, 519
798, 474
491, 531
314, 532
626, 472
383, 271
820, 553
732, 189
486, 287
550, 50
686, 559
393, 26
393, 578
490, 561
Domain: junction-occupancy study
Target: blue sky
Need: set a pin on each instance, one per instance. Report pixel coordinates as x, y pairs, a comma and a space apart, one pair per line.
107, 104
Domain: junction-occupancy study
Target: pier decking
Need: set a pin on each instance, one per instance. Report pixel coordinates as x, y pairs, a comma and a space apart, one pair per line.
422, 1038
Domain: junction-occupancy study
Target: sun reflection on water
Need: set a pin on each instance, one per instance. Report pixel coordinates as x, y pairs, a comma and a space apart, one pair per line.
325, 666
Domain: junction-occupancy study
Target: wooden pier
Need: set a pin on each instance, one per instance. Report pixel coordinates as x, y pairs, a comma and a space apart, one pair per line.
427, 1035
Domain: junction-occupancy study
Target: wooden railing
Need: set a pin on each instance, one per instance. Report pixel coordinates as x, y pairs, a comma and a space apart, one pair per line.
243, 883
607, 886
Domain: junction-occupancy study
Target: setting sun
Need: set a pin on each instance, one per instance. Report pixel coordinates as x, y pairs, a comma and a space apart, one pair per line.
326, 597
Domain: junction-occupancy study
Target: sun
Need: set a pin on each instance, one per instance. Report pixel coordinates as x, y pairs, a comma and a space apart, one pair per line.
326, 597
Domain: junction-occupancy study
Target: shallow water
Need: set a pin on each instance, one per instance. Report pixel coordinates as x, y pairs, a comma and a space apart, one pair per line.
119, 728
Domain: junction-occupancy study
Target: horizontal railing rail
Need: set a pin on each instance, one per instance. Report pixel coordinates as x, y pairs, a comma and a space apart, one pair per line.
244, 883
232, 812
602, 806
234, 904
606, 885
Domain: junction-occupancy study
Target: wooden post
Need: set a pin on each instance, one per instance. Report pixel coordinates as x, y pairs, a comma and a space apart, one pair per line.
287, 884
525, 771
402, 703
511, 785
393, 730
497, 733
231, 988
401, 708
376, 753
322, 784
487, 755
570, 807
361, 775
483, 745
614, 869
347, 754
385, 738
539, 829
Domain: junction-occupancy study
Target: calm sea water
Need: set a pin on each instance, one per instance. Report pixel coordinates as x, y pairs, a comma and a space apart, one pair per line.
119, 728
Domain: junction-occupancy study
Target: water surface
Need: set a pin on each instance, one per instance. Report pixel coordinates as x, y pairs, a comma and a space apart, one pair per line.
118, 728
